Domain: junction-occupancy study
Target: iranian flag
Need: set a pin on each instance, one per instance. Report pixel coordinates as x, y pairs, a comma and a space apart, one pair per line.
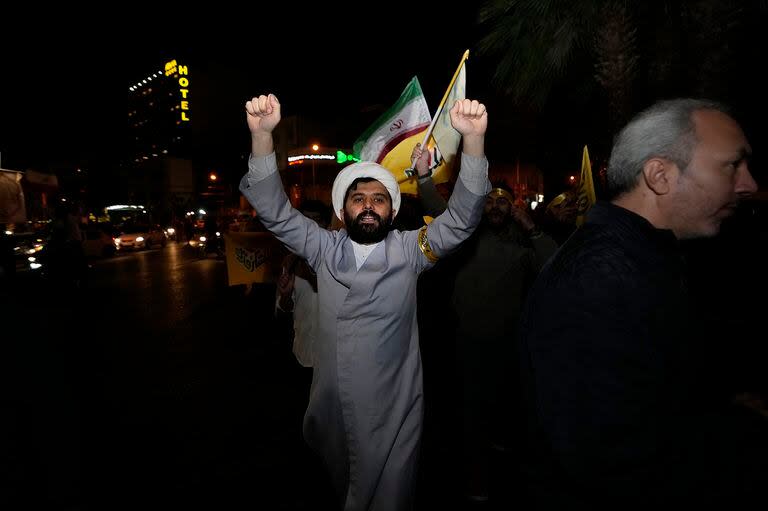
390, 140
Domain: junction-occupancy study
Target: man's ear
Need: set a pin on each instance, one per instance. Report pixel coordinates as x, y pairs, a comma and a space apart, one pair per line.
658, 174
341, 217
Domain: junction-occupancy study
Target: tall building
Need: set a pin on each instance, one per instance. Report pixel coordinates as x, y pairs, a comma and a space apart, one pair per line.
160, 113
158, 170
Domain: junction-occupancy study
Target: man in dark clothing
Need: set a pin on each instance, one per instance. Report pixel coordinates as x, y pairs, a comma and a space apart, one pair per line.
608, 338
491, 274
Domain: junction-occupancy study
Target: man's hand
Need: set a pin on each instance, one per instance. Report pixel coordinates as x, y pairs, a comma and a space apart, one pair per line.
522, 218
468, 117
263, 114
285, 284
421, 159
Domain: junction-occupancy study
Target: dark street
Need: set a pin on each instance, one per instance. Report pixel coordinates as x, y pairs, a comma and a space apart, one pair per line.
158, 386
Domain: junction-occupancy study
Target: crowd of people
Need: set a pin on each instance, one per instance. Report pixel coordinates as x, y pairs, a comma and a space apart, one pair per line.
605, 364
575, 352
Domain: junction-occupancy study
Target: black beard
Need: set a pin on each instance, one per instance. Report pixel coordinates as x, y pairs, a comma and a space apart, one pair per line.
499, 222
366, 234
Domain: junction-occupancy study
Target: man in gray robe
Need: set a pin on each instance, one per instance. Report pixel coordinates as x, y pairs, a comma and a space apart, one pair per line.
366, 403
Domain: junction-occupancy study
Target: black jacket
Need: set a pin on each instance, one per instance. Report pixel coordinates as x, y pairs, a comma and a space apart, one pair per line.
613, 405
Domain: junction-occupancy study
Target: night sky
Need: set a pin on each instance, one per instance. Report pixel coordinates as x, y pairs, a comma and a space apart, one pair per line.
63, 101
65, 80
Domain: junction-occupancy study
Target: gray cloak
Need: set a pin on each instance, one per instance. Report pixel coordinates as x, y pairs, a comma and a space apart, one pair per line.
366, 405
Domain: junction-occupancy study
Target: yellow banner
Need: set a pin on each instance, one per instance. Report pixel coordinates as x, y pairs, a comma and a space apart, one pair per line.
585, 193
399, 159
252, 257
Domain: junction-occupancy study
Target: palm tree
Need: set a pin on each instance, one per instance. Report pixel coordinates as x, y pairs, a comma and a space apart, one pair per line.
616, 57
538, 41
684, 47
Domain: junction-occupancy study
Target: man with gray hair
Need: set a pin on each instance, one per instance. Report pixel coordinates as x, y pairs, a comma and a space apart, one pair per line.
366, 402
614, 404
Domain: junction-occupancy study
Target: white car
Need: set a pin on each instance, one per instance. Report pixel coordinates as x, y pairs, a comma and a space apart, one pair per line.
139, 237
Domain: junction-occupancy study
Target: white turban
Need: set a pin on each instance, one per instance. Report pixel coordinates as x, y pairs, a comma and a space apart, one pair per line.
363, 169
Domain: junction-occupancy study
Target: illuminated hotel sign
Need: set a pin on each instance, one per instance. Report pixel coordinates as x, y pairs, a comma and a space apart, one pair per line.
171, 69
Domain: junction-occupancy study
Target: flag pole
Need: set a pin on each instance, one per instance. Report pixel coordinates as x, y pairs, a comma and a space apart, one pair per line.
410, 172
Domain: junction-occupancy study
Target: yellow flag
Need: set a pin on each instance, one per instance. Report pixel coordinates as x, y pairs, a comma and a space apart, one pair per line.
399, 159
443, 142
585, 193
390, 140
252, 257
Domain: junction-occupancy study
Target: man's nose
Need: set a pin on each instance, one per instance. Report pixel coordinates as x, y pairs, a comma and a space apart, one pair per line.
745, 183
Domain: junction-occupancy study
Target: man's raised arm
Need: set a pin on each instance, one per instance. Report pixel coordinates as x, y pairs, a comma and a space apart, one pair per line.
263, 187
465, 207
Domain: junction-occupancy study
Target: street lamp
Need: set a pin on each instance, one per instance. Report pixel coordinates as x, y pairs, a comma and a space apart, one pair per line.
315, 148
